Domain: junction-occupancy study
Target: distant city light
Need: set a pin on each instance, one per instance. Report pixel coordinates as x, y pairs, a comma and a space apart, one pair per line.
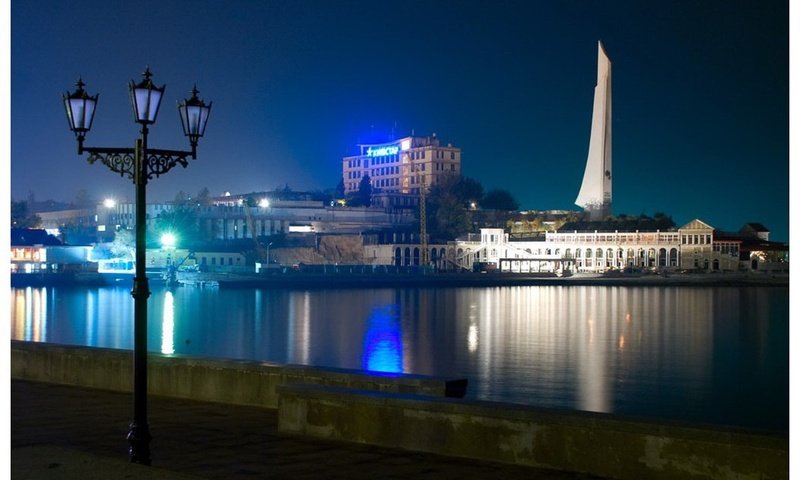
264, 203
168, 240
109, 203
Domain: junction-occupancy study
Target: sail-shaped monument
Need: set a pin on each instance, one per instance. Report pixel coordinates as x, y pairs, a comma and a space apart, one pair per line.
595, 193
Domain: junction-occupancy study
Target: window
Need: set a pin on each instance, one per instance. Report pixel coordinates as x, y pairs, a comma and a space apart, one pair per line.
452, 155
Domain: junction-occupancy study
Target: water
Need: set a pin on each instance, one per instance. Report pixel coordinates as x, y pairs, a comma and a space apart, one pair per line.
710, 355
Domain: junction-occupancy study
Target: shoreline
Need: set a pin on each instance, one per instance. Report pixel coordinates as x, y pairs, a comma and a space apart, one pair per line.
417, 279
491, 280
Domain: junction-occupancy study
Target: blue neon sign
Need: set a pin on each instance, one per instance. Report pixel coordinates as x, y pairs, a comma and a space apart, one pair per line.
383, 151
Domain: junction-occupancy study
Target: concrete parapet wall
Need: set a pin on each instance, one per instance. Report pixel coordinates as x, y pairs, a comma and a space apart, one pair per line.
224, 381
597, 444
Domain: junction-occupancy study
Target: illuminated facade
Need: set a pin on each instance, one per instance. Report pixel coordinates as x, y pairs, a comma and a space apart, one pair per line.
34, 251
402, 166
595, 192
694, 246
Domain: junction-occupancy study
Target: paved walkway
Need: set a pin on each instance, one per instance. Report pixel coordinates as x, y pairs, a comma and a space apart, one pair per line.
60, 432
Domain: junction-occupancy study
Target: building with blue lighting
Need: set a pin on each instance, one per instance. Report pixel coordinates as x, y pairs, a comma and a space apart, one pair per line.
401, 167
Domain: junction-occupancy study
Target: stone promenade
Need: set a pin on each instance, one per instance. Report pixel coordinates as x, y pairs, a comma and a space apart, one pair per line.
60, 432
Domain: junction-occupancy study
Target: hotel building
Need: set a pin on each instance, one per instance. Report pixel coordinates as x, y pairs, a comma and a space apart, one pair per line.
402, 166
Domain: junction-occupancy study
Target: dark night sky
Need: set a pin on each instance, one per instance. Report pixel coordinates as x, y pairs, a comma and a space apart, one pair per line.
700, 92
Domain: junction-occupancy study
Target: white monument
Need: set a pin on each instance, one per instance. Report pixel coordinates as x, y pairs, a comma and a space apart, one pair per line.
595, 193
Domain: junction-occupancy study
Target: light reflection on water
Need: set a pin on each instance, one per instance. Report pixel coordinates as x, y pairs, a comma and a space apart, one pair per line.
717, 355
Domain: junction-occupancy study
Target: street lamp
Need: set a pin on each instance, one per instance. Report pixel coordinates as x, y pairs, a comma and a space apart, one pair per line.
168, 241
140, 164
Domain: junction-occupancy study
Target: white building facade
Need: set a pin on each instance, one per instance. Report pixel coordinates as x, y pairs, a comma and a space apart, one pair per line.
691, 247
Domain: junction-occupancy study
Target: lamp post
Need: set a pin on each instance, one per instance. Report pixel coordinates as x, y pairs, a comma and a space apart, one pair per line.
140, 164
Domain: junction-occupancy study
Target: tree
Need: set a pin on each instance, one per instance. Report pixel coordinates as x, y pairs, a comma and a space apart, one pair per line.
181, 221
469, 191
340, 188
447, 204
84, 199
363, 197
124, 245
203, 197
181, 198
20, 218
498, 199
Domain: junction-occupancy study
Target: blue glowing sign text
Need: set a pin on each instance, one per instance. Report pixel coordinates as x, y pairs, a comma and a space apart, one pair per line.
383, 151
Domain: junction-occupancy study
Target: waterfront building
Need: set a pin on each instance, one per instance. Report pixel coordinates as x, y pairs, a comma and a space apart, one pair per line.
402, 168
404, 254
98, 224
595, 193
230, 218
696, 246
34, 251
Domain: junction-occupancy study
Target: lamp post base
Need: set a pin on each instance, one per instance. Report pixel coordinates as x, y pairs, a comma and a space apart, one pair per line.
139, 440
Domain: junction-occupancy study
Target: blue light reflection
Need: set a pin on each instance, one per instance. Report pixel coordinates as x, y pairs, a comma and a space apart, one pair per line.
383, 341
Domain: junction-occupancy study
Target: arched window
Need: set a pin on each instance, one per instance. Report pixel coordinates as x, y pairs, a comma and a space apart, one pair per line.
588, 253
398, 257
416, 256
407, 256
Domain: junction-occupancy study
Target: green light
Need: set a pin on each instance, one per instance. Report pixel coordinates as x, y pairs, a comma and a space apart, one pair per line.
168, 240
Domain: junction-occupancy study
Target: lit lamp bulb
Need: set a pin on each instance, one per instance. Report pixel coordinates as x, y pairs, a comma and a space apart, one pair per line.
168, 240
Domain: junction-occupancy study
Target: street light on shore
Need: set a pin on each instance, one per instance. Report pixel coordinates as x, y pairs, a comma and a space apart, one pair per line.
140, 164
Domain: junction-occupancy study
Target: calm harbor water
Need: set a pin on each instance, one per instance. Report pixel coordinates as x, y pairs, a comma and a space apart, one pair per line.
711, 355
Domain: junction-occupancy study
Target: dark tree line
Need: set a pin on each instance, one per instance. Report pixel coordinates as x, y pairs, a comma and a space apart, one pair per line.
453, 201
21, 216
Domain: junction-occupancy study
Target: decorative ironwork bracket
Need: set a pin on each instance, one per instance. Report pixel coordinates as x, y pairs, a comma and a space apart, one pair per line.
157, 162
